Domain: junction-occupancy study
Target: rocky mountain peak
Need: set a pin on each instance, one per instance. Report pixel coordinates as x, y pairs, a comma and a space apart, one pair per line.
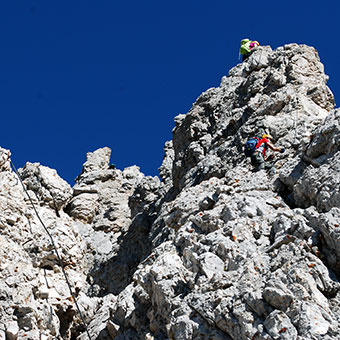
281, 92
215, 250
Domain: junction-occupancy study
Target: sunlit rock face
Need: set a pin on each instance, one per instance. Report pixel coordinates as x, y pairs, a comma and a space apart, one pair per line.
210, 251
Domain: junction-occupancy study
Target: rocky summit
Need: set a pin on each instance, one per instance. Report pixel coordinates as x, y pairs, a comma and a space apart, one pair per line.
213, 250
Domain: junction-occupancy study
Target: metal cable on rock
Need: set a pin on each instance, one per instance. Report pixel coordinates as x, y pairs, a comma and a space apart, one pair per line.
56, 251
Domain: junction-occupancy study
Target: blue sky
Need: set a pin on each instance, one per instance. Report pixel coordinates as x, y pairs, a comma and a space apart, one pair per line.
79, 75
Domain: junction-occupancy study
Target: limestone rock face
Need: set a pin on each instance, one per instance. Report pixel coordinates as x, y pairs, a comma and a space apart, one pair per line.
213, 250
282, 91
318, 183
35, 300
46, 185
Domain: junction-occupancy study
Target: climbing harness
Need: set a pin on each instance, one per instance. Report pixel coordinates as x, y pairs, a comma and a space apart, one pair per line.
56, 252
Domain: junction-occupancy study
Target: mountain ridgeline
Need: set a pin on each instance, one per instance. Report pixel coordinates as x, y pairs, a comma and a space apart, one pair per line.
213, 250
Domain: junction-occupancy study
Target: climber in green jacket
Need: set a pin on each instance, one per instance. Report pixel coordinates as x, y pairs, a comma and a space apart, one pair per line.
246, 47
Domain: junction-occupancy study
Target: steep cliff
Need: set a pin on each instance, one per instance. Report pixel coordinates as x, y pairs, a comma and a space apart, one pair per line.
212, 251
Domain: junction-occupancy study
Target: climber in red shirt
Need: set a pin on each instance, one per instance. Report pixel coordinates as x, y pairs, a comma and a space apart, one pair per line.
258, 157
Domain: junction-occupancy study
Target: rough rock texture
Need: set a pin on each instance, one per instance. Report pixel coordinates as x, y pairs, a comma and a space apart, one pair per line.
214, 251
46, 185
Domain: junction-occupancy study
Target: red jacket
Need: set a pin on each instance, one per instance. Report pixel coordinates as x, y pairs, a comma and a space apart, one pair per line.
262, 146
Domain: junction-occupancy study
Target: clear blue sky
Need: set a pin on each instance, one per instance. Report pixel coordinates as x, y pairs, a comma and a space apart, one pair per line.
79, 75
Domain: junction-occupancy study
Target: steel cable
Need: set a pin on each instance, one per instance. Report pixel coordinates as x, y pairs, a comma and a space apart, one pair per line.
56, 251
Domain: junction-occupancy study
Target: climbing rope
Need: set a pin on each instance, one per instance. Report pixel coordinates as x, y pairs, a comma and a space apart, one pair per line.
56, 251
